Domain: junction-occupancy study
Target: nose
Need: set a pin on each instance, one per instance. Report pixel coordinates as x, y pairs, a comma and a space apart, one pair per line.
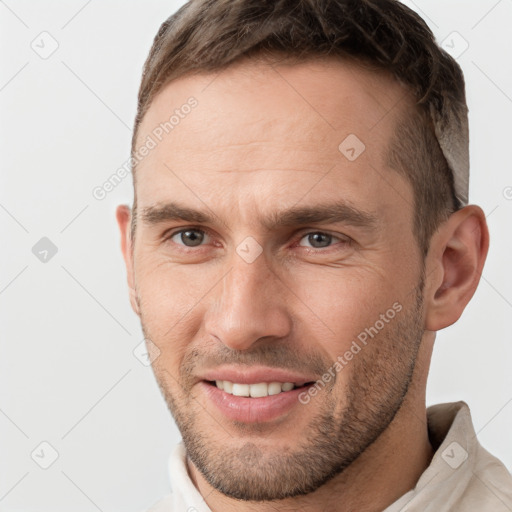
249, 304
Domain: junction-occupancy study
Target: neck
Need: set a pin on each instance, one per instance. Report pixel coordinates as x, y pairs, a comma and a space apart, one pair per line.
386, 470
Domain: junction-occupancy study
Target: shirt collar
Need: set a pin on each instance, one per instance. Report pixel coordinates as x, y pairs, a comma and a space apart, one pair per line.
451, 434
454, 440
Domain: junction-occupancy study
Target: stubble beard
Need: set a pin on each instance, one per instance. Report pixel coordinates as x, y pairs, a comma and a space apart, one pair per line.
380, 376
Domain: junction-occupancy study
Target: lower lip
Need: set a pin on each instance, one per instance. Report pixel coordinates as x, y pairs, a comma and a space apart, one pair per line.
252, 410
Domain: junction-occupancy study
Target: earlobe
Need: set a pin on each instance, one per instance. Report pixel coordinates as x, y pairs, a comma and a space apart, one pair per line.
454, 265
123, 216
133, 301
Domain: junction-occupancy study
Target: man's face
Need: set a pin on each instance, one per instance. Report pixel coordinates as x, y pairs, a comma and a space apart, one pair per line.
301, 255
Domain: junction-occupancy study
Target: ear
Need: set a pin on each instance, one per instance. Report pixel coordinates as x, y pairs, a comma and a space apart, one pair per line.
124, 216
454, 265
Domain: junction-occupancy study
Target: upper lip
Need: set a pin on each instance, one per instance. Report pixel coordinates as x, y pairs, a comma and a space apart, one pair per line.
255, 374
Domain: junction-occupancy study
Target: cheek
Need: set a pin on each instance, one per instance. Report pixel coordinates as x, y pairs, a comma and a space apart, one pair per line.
170, 288
170, 300
341, 304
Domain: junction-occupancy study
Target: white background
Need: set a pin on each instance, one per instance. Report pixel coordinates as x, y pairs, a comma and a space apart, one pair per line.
67, 369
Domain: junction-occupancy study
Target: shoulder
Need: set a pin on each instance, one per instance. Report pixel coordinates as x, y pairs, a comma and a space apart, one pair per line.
467, 477
491, 482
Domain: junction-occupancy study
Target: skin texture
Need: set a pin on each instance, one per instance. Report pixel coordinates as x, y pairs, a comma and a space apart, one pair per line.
263, 139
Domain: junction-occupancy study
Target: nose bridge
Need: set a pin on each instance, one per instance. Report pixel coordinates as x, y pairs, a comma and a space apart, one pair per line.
248, 305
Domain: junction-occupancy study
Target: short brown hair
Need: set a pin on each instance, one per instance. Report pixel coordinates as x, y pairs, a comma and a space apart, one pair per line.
209, 35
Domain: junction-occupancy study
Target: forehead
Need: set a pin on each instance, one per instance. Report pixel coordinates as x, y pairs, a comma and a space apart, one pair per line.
257, 121
327, 92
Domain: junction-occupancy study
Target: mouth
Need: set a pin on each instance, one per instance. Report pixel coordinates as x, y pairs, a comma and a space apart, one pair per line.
256, 394
259, 389
259, 402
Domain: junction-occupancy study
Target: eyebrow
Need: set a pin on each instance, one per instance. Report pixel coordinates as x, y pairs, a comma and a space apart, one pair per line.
173, 212
322, 213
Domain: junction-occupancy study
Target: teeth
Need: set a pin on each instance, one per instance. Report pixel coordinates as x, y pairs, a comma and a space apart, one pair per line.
258, 390
274, 388
241, 389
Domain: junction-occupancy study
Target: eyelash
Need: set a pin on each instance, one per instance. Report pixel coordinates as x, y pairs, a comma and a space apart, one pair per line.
345, 240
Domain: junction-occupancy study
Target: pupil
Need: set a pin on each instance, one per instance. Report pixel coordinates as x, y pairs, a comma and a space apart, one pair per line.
192, 238
319, 239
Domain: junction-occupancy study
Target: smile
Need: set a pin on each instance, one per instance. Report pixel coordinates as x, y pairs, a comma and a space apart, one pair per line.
257, 390
253, 403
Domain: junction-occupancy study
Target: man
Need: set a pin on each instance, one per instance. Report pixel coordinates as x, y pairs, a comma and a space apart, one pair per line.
299, 233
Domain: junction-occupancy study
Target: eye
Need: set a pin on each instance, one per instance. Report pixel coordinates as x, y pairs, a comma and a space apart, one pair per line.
189, 237
319, 240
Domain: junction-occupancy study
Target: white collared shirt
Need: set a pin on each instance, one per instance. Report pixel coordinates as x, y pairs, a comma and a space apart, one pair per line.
462, 475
